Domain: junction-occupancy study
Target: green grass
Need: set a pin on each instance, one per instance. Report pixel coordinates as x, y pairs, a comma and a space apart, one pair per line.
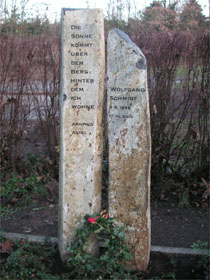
18, 192
21, 260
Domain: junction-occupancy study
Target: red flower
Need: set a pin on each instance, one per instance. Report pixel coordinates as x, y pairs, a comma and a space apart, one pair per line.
91, 220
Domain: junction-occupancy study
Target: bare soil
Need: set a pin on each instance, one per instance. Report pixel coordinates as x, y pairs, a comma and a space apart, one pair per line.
173, 227
170, 226
178, 227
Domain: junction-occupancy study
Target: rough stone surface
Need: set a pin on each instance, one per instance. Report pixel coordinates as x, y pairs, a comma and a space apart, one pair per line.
129, 144
82, 87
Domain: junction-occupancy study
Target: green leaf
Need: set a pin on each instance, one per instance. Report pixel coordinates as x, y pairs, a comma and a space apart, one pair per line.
108, 263
98, 230
106, 242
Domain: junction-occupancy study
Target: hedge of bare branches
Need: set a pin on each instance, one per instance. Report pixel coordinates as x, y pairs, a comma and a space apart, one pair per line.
29, 87
179, 87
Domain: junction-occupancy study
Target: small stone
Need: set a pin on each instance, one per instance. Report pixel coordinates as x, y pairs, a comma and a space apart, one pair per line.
49, 222
27, 229
52, 206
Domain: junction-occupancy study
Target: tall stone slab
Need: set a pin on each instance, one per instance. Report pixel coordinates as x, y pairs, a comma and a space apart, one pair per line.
81, 100
129, 144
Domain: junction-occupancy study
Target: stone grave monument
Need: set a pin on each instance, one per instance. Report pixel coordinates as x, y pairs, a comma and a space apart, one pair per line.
81, 102
129, 144
82, 89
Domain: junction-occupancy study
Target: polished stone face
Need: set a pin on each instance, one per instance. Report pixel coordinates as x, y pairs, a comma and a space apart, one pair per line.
129, 144
82, 89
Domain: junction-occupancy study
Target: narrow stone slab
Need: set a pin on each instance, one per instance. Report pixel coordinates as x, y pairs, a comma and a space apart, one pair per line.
82, 88
129, 144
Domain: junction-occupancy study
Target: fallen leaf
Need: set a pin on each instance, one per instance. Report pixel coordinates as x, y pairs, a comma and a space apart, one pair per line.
6, 246
14, 200
22, 242
39, 178
154, 109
